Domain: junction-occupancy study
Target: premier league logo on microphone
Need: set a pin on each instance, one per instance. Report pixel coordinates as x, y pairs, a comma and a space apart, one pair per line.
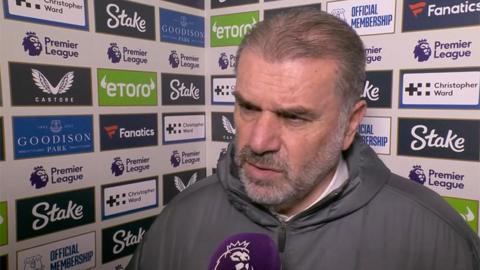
237, 257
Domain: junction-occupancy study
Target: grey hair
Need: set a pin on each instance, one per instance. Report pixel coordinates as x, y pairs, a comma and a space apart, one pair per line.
309, 33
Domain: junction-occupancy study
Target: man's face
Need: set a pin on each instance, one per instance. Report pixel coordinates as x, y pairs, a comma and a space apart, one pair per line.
289, 136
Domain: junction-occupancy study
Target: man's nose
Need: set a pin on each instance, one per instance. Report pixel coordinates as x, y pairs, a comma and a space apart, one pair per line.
265, 135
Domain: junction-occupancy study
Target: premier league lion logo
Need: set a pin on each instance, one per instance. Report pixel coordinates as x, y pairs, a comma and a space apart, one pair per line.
114, 53
117, 167
31, 43
223, 61
422, 51
417, 174
236, 257
173, 59
175, 159
39, 177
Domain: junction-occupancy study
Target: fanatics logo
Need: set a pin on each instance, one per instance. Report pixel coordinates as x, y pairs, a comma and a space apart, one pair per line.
417, 8
111, 130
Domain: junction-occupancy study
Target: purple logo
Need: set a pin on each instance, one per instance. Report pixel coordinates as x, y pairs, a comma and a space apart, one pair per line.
114, 53
173, 59
117, 167
31, 43
417, 174
237, 256
175, 159
422, 51
39, 177
223, 61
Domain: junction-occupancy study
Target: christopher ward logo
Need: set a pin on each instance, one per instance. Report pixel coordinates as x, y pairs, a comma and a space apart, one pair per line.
378, 89
68, 13
375, 131
131, 165
121, 240
441, 88
223, 127
126, 88
441, 178
223, 87
435, 14
183, 127
230, 3
227, 62
183, 89
366, 16
45, 85
58, 48
229, 30
455, 50
468, 210
55, 212
439, 138
184, 158
40, 176
72, 253
125, 54
38, 136
125, 18
119, 131
127, 197
189, 62
182, 28
3, 224
177, 182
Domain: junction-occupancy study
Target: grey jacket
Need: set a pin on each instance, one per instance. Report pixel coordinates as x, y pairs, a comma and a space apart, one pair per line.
375, 221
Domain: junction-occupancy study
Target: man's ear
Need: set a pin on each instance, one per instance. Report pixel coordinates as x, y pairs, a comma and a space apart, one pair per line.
356, 116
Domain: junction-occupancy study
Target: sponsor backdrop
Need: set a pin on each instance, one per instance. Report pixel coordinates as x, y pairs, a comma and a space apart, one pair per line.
109, 109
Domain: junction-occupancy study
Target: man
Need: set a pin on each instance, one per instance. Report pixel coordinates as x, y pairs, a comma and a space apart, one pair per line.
298, 173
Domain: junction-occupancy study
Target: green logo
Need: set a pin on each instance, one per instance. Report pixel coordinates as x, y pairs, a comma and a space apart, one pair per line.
3, 224
468, 209
126, 88
229, 30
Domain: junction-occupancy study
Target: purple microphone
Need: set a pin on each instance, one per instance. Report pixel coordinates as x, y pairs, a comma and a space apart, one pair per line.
246, 251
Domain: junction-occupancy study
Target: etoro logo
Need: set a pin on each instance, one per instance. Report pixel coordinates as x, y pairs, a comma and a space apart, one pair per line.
135, 56
468, 210
131, 165
3, 224
439, 178
64, 49
127, 197
229, 30
126, 88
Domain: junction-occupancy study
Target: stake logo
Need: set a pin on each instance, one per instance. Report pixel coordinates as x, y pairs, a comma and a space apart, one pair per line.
45, 85
435, 14
121, 240
223, 129
441, 88
378, 89
177, 182
448, 180
3, 224
120, 131
126, 54
51, 213
131, 165
375, 131
183, 127
184, 61
39, 178
40, 136
128, 197
223, 87
436, 138
367, 17
180, 89
72, 253
229, 30
125, 18
468, 210
126, 88
64, 49
184, 158
72, 13
182, 28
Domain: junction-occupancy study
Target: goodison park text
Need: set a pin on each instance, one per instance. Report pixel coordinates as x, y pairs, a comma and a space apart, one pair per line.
182, 31
55, 139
